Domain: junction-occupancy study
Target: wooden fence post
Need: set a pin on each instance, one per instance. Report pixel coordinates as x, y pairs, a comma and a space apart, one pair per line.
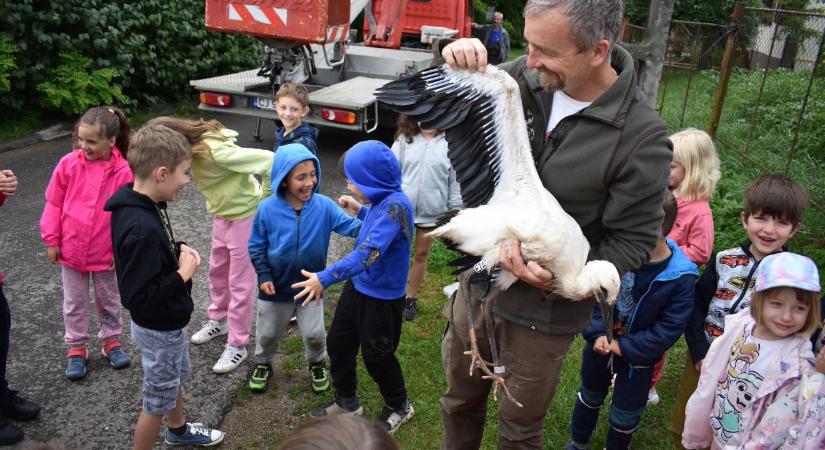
725, 70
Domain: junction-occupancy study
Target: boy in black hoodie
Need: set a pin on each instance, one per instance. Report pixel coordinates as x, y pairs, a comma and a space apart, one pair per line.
154, 274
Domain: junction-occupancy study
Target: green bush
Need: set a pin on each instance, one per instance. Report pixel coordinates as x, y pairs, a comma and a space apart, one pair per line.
156, 46
7, 51
74, 87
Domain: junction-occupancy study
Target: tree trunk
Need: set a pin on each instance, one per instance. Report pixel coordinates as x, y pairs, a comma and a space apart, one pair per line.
651, 51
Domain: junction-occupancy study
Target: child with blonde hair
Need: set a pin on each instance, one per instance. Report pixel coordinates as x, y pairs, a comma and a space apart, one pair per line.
225, 174
76, 231
694, 173
759, 360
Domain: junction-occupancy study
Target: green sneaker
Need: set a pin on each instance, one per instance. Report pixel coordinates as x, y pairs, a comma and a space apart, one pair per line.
320, 378
259, 380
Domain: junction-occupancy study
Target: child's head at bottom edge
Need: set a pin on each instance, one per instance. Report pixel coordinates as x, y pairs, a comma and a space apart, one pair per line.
339, 432
371, 169
160, 159
785, 300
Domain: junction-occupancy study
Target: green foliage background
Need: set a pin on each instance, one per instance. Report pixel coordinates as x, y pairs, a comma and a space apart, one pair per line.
155, 46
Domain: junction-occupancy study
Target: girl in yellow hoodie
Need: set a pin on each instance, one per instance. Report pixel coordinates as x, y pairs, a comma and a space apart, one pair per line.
225, 174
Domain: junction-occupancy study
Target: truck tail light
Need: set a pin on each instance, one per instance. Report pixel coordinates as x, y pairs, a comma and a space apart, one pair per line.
213, 99
338, 115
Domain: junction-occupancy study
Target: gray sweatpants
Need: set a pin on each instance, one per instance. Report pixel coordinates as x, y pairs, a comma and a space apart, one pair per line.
273, 318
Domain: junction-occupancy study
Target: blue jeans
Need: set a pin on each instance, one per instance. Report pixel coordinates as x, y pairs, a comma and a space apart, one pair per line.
629, 398
166, 366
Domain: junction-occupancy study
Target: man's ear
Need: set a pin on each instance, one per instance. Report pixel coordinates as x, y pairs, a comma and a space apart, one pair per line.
600, 53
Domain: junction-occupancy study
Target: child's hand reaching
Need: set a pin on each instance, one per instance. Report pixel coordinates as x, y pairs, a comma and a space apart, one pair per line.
53, 253
311, 288
187, 249
350, 204
268, 288
820, 361
614, 347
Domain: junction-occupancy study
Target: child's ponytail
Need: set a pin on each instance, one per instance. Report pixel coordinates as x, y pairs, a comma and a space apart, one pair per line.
113, 123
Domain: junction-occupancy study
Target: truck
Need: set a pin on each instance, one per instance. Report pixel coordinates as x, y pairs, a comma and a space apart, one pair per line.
311, 42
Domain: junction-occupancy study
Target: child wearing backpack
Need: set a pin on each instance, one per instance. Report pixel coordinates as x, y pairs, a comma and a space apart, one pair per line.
368, 314
225, 174
76, 231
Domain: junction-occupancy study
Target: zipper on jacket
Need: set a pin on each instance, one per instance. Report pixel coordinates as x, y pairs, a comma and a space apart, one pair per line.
732, 309
298, 247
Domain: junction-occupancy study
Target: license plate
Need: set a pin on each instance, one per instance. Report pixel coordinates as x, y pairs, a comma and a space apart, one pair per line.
264, 103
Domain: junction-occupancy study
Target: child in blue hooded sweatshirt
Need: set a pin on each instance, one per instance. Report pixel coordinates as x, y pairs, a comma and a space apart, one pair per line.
291, 231
368, 314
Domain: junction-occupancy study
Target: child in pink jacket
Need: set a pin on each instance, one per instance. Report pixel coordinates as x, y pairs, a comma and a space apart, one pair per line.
754, 369
76, 231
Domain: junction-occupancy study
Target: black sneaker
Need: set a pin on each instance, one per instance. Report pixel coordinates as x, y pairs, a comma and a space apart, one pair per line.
18, 408
410, 309
10, 433
391, 419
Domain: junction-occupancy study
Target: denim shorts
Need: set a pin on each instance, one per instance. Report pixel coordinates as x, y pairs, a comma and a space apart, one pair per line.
165, 358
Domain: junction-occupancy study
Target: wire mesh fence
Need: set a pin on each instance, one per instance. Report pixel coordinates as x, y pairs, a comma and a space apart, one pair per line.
773, 118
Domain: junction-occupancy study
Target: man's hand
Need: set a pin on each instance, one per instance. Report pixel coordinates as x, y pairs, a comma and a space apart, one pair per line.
510, 259
53, 253
268, 288
350, 204
188, 264
601, 346
466, 53
311, 288
8, 182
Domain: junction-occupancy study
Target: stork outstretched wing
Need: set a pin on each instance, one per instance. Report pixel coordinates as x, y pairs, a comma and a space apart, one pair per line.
442, 99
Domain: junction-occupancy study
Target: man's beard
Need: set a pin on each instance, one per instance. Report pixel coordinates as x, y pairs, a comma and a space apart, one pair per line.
550, 81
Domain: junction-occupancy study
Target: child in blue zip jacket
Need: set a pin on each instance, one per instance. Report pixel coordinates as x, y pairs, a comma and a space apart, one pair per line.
368, 315
651, 313
290, 232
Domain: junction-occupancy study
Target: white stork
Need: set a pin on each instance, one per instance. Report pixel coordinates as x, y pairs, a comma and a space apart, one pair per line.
503, 195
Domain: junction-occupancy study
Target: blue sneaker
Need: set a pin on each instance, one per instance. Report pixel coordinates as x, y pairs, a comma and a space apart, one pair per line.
196, 434
76, 367
113, 351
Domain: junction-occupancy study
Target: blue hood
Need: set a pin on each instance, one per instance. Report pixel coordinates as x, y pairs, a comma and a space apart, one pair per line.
285, 159
372, 167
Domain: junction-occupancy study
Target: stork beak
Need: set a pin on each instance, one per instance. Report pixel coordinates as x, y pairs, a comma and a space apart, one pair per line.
607, 313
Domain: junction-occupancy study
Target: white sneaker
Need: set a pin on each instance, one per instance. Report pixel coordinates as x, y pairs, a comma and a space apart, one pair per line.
230, 359
210, 330
652, 397
391, 419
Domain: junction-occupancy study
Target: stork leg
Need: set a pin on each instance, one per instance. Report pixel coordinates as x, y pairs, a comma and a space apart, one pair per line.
476, 361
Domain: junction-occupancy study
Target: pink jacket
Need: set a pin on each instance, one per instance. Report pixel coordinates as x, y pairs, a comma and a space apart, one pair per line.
797, 359
796, 421
693, 230
73, 218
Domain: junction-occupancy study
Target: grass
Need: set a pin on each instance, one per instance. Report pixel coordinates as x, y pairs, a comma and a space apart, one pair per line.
20, 124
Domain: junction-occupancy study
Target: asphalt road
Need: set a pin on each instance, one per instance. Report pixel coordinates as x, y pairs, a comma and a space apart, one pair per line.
100, 411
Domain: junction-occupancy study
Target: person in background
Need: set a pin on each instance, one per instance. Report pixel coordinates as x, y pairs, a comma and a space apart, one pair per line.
292, 105
495, 39
12, 405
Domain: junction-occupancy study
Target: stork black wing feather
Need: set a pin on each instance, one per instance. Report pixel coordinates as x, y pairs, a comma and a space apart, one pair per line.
440, 100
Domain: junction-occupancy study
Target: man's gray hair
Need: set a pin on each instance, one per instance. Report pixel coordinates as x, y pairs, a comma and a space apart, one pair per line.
498, 15
590, 20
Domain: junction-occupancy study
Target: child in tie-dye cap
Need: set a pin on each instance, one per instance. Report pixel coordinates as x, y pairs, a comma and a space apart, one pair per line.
752, 390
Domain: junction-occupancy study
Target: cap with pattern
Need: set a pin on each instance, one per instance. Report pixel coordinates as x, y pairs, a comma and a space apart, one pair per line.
786, 269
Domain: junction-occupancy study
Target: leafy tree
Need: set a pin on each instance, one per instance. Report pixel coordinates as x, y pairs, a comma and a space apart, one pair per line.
7, 51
